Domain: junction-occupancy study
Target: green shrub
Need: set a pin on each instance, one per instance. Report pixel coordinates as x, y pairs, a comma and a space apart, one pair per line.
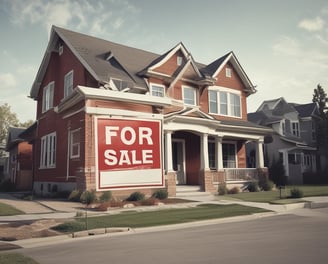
160, 194
88, 197
69, 227
296, 193
7, 186
277, 173
253, 187
222, 188
266, 185
136, 196
75, 195
233, 190
105, 196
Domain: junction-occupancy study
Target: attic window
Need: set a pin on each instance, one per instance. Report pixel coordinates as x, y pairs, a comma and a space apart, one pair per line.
228, 72
60, 49
120, 84
179, 60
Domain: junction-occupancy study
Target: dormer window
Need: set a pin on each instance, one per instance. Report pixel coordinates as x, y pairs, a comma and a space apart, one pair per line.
228, 72
295, 128
157, 90
189, 95
179, 60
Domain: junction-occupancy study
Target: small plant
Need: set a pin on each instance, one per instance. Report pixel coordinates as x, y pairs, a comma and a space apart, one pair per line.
75, 195
88, 197
253, 187
105, 196
160, 194
79, 214
233, 190
136, 196
222, 188
296, 193
266, 185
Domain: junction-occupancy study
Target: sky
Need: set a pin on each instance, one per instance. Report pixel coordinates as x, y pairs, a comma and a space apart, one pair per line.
282, 45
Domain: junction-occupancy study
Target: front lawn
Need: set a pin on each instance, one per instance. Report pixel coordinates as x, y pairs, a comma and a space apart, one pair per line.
161, 217
6, 210
10, 258
271, 196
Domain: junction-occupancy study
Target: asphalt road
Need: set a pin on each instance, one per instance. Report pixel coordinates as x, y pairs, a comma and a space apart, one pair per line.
301, 237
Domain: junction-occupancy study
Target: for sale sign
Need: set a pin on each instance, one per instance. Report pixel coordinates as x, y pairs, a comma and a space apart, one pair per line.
128, 153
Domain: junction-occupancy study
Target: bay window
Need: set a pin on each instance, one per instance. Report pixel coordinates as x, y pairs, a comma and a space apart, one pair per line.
224, 101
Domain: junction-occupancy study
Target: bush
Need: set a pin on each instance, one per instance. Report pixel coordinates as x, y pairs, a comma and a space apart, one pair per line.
160, 194
277, 173
253, 187
136, 196
233, 190
105, 196
69, 227
7, 186
222, 188
88, 197
296, 193
75, 196
266, 185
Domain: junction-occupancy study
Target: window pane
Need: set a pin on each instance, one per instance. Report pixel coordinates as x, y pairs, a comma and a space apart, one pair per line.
157, 90
235, 104
68, 84
223, 103
213, 102
189, 96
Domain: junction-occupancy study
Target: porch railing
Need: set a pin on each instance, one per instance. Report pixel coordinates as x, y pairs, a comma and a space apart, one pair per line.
247, 174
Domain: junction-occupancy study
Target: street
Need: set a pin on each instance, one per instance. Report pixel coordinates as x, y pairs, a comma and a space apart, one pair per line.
300, 236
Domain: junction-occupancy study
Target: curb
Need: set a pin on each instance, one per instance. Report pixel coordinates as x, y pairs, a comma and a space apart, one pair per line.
316, 205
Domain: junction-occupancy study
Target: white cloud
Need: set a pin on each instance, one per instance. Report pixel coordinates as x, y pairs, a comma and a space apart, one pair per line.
7, 80
315, 24
287, 46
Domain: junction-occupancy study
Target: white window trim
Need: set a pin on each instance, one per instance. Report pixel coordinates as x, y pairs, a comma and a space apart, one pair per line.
229, 91
48, 97
78, 144
159, 86
48, 151
298, 131
194, 91
67, 93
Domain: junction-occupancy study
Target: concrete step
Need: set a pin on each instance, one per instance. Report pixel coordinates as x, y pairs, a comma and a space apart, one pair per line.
190, 191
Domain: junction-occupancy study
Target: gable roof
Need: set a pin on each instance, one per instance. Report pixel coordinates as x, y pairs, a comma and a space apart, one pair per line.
14, 137
307, 110
106, 60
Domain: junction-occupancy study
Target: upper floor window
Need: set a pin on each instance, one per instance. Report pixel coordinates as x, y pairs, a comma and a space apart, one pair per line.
48, 151
283, 127
157, 90
313, 132
189, 95
48, 97
179, 60
228, 72
224, 102
75, 143
68, 84
295, 128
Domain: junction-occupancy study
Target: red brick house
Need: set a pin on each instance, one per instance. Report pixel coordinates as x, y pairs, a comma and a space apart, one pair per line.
112, 117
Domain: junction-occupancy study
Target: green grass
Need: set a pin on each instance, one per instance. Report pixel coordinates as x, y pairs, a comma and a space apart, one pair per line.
273, 196
160, 217
10, 258
6, 210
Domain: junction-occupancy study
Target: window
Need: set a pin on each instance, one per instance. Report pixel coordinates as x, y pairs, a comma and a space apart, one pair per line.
157, 90
228, 72
48, 97
224, 102
179, 60
68, 84
283, 127
313, 132
75, 143
229, 155
294, 158
295, 129
211, 154
189, 95
48, 151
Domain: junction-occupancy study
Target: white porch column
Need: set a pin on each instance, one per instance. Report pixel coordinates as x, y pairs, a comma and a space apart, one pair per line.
259, 154
218, 146
204, 152
168, 151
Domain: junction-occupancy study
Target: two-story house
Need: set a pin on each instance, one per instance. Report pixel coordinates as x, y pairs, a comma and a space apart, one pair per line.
113, 117
294, 140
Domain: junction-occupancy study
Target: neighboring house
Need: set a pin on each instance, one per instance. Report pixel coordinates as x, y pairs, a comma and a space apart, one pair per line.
112, 117
20, 160
294, 140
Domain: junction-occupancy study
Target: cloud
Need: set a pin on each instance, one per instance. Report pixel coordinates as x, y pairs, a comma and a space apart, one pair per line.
287, 46
315, 24
7, 80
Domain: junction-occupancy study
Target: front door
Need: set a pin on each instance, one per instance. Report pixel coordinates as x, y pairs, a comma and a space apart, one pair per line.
178, 153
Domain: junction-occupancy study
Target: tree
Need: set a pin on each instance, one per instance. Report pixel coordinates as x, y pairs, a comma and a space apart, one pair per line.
320, 97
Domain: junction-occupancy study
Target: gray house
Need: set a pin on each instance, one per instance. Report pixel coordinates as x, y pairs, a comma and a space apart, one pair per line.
294, 138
